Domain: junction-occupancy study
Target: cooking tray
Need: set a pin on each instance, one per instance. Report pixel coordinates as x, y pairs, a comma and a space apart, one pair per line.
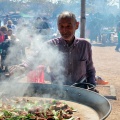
63, 92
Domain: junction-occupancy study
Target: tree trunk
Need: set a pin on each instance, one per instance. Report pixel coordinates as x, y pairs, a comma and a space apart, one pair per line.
82, 19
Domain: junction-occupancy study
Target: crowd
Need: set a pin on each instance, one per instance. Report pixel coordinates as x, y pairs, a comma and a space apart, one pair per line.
7, 40
15, 37
101, 28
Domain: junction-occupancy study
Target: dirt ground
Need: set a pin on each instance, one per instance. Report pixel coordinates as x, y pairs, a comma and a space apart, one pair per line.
107, 64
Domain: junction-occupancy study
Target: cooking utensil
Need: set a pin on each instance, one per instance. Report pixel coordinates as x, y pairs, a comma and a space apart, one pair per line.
70, 93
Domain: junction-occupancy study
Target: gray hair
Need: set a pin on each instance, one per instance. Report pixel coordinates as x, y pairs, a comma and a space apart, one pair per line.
67, 14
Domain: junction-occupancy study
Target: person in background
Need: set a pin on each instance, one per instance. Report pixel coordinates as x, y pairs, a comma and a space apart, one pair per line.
0, 23
44, 29
118, 33
43, 26
10, 25
4, 30
36, 24
77, 54
11, 36
4, 46
7, 17
2, 37
15, 22
14, 49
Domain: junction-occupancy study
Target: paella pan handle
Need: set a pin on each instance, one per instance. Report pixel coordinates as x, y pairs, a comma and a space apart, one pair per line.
84, 85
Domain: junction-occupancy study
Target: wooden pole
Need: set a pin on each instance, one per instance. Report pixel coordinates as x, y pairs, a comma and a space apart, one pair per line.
82, 19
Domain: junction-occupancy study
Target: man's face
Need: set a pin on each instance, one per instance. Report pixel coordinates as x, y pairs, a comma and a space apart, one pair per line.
67, 28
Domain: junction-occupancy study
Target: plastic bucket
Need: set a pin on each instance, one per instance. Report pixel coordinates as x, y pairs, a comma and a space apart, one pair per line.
37, 75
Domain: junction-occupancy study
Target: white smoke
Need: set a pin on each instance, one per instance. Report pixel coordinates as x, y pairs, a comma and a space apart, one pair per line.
32, 43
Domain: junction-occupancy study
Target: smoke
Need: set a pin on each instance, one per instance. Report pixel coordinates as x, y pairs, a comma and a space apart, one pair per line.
31, 46
51, 58
37, 52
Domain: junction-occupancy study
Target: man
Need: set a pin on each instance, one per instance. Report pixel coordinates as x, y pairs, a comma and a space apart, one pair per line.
74, 56
78, 56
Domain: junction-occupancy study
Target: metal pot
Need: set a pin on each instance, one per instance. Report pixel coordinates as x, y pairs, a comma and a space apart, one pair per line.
70, 93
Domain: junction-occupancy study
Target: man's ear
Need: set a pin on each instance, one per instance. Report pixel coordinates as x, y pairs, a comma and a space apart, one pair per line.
77, 25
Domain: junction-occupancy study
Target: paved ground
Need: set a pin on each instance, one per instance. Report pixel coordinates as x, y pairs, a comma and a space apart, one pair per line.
107, 64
